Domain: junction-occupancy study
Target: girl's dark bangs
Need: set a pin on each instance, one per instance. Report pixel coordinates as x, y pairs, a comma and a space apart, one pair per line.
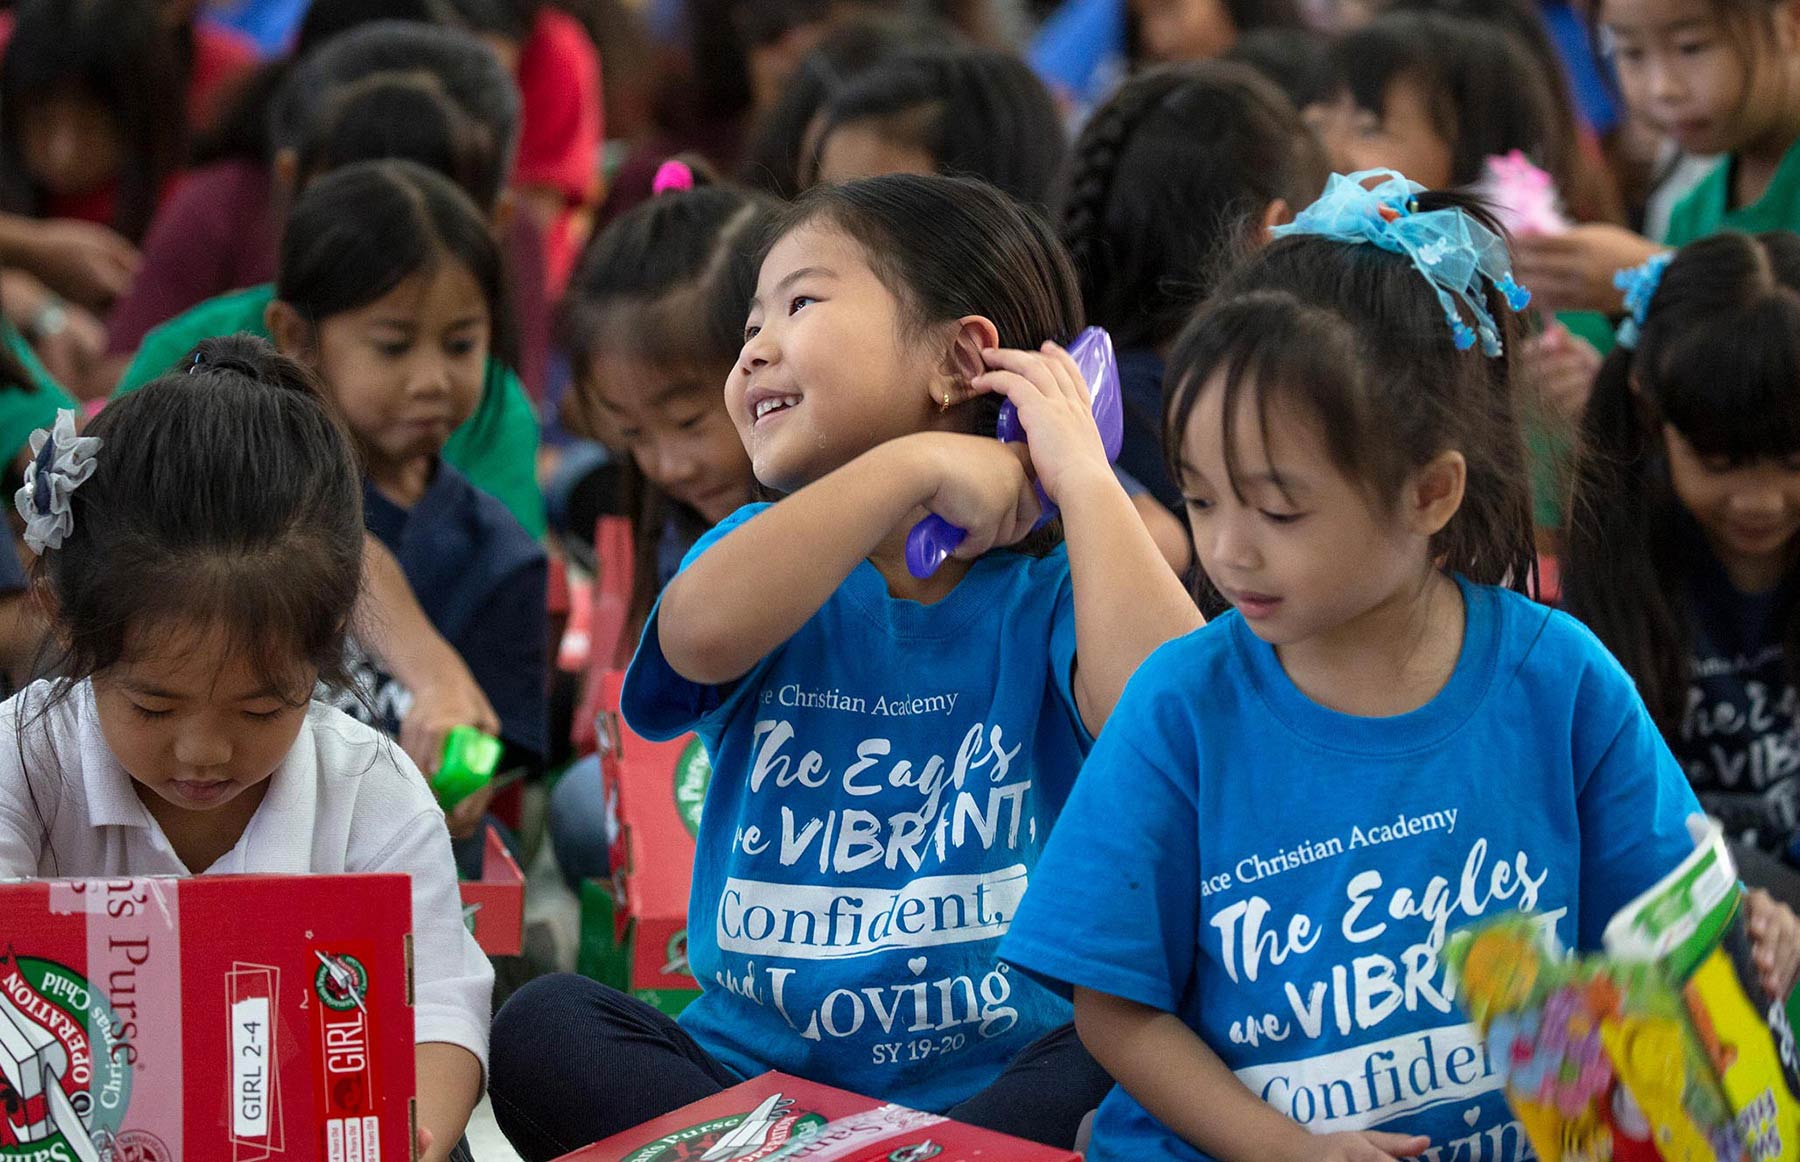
1367, 62
1732, 392
1261, 345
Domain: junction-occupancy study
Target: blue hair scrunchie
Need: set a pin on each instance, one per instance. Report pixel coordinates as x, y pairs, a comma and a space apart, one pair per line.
1454, 252
1639, 284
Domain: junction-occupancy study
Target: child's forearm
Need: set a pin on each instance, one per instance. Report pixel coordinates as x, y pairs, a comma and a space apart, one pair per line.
1174, 1075
449, 1087
758, 585
1127, 600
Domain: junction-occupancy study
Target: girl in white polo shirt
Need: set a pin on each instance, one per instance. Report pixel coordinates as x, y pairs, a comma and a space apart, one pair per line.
200, 548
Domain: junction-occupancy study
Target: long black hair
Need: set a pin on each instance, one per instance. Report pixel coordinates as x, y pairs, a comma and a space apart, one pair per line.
1355, 336
976, 112
1166, 178
122, 54
360, 231
668, 282
1717, 359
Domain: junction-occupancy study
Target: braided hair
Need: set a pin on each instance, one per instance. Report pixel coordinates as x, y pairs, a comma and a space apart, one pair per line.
1165, 181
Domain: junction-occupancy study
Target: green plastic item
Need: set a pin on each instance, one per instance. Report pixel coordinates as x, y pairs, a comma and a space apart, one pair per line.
468, 764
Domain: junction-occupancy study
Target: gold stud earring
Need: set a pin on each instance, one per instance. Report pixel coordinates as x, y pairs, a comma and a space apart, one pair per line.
944, 404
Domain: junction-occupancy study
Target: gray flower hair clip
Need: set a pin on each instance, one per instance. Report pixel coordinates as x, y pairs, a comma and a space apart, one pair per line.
61, 462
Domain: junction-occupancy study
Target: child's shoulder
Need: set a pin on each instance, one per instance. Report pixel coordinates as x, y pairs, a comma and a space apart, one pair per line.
351, 757
491, 528
1200, 660
1542, 645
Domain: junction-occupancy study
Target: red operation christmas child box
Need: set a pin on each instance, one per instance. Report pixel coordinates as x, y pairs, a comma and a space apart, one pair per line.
213, 1019
659, 789
777, 1118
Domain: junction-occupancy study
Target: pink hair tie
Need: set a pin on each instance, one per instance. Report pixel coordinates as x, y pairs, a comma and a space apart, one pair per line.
672, 175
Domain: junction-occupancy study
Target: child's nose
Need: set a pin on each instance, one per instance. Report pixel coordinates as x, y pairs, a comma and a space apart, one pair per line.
1233, 546
429, 376
1761, 502
1666, 82
198, 748
759, 351
673, 463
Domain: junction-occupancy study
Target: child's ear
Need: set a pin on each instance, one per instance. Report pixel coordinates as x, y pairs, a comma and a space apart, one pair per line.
505, 207
292, 334
1436, 492
1787, 28
1276, 213
287, 170
973, 335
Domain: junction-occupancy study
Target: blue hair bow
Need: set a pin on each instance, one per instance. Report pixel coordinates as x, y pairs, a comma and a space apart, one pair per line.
1639, 284
1450, 248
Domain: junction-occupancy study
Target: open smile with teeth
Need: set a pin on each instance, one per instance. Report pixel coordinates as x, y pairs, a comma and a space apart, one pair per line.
774, 403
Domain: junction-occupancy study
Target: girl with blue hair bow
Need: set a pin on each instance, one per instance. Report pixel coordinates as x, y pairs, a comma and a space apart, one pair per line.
1249, 891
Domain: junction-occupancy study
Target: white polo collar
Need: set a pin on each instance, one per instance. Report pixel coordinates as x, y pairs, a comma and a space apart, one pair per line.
277, 838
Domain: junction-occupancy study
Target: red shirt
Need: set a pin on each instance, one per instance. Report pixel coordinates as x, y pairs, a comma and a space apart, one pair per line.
563, 123
222, 59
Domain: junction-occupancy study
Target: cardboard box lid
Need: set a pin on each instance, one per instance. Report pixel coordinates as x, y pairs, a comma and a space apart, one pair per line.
776, 1117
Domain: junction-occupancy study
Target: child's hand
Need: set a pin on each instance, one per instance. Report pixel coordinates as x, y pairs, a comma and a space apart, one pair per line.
84, 261
1774, 942
1363, 1146
1573, 271
982, 489
1561, 366
1054, 408
452, 699
465, 818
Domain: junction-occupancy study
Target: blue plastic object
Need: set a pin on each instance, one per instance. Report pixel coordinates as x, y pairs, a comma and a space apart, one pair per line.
933, 539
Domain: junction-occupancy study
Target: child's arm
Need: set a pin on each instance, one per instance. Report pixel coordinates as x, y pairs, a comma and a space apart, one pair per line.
392, 626
449, 1085
1127, 600
759, 584
1183, 1084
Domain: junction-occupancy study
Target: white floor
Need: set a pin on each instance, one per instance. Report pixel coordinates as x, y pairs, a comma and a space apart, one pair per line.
485, 1142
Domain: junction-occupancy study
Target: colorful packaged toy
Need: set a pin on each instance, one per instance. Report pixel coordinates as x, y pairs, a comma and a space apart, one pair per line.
1663, 1048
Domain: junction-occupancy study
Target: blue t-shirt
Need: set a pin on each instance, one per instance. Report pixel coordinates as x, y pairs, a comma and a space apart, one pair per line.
1282, 876
480, 578
883, 785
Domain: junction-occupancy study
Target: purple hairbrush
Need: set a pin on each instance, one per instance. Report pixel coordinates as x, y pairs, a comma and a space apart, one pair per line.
933, 539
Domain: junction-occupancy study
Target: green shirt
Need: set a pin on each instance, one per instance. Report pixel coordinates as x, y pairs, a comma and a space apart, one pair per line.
496, 448
1707, 209
23, 412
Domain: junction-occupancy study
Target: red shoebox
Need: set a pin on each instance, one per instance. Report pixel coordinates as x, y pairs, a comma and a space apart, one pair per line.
659, 788
494, 905
779, 1117
215, 1019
